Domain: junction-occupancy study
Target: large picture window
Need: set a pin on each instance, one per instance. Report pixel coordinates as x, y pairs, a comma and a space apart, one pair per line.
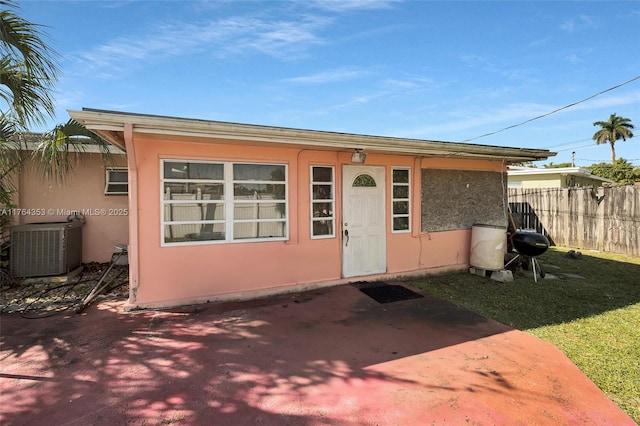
223, 201
400, 200
322, 202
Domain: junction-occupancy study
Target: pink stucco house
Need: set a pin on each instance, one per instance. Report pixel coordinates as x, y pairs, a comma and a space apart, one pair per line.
229, 211
94, 189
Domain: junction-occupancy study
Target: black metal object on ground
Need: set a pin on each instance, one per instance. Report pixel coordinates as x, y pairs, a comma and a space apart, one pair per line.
528, 245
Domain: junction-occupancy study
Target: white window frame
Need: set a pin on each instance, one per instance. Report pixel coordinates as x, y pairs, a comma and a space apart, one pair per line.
228, 201
408, 200
109, 182
332, 214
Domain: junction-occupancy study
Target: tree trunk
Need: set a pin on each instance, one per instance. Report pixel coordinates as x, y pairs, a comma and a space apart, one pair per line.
613, 152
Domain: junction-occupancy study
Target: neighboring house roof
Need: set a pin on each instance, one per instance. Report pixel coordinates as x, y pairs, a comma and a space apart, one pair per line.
29, 141
561, 171
110, 125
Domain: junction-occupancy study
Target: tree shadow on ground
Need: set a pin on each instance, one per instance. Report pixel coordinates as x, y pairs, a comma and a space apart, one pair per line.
242, 363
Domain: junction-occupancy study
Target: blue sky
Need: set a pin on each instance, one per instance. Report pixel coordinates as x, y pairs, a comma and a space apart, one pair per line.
434, 70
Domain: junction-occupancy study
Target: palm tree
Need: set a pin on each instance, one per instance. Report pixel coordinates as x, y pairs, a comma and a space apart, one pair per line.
28, 73
613, 130
28, 70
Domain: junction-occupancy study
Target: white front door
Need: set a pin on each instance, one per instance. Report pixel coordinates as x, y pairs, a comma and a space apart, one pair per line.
363, 221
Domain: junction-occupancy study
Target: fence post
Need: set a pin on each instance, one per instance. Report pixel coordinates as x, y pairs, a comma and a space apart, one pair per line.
600, 218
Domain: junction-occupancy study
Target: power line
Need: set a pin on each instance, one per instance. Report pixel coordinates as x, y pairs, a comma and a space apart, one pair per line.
555, 110
608, 159
566, 143
571, 146
574, 148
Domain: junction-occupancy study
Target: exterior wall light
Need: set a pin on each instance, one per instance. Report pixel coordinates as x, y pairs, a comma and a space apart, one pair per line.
359, 156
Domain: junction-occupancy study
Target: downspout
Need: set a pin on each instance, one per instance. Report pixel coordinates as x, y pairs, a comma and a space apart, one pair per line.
416, 206
416, 196
132, 164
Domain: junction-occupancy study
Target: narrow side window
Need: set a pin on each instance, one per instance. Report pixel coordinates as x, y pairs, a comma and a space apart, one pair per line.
322, 202
401, 200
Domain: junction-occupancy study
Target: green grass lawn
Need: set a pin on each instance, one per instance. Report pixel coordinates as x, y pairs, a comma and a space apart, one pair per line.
594, 320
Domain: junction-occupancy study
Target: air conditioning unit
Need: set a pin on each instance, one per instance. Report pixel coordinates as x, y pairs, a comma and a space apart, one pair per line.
43, 249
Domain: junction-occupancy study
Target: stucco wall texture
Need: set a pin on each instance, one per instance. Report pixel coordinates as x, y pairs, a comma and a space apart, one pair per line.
171, 275
106, 216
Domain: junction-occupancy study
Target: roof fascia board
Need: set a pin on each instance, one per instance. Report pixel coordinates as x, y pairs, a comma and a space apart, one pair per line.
559, 170
363, 144
114, 121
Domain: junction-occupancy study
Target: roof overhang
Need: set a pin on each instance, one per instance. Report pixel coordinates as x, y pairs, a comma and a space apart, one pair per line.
82, 149
110, 125
562, 171
31, 141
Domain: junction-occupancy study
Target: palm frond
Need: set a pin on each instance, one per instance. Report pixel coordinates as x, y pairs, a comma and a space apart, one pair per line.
10, 147
56, 153
10, 160
28, 68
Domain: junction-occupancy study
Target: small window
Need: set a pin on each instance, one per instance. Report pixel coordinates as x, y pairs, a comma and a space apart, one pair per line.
322, 202
117, 181
400, 200
364, 181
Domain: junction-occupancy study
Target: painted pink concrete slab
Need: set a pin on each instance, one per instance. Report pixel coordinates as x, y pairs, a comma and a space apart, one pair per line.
327, 357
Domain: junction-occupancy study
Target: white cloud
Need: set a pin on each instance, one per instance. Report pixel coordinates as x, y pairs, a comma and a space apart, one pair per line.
612, 100
485, 64
540, 42
572, 58
461, 121
412, 85
332, 76
355, 101
236, 35
348, 5
401, 84
579, 23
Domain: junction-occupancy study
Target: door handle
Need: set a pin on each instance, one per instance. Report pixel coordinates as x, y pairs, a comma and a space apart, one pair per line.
346, 237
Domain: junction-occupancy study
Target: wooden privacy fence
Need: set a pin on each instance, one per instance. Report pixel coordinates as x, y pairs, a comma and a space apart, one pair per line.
605, 219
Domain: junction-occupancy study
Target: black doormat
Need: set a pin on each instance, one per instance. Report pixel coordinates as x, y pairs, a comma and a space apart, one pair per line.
387, 293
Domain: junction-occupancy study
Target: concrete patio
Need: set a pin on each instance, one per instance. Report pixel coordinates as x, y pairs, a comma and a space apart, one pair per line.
332, 356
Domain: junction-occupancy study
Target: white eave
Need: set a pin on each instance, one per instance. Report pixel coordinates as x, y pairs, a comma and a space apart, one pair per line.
110, 126
563, 171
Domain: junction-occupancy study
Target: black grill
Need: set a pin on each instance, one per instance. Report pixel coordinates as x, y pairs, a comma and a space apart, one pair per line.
529, 243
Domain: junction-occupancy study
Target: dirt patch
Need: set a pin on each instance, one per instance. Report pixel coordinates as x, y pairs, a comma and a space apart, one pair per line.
51, 295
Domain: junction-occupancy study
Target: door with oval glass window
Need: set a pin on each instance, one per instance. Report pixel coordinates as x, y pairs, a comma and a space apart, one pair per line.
363, 221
